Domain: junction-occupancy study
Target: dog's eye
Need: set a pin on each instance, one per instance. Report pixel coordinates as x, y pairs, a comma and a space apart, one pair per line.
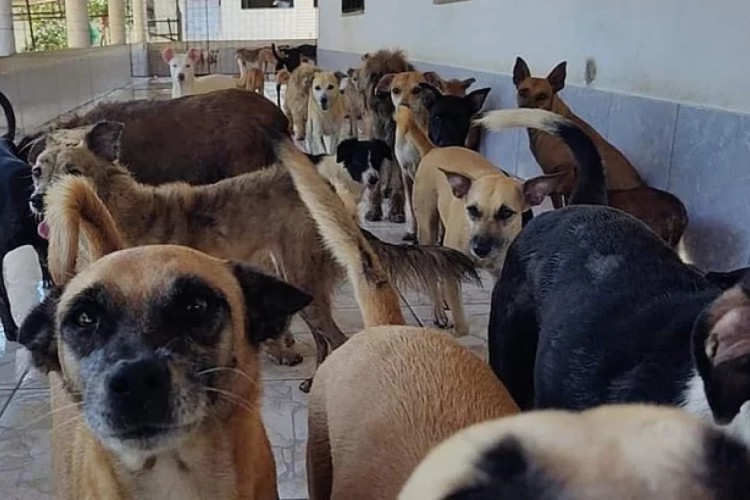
523, 92
330, 87
317, 87
187, 65
504, 213
195, 306
416, 90
85, 319
396, 91
73, 171
474, 212
541, 97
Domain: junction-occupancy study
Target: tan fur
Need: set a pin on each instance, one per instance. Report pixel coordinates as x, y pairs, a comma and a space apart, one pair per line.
349, 190
296, 100
228, 454
404, 89
324, 125
266, 59
391, 393
614, 452
354, 101
253, 80
729, 327
456, 87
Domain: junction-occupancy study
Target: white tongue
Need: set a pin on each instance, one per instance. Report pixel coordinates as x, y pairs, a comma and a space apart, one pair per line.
43, 230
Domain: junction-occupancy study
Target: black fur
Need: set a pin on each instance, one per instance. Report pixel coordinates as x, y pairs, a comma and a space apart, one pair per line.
450, 116
359, 156
727, 461
291, 58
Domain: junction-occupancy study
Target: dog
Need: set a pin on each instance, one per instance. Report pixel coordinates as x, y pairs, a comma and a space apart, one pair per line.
427, 386
325, 113
291, 58
354, 101
154, 374
184, 81
297, 99
406, 88
266, 60
379, 115
614, 452
247, 58
222, 219
282, 78
592, 307
450, 117
456, 87
253, 80
662, 211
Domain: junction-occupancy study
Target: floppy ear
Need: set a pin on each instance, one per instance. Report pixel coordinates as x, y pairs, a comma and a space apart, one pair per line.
269, 303
345, 150
382, 148
37, 334
460, 184
433, 79
384, 85
476, 99
167, 55
538, 188
520, 71
430, 94
194, 54
104, 140
465, 84
556, 77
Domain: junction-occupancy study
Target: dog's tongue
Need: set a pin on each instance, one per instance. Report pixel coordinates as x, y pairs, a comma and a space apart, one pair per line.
43, 230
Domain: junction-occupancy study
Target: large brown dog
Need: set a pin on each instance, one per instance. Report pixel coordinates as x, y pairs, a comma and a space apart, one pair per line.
662, 211
384, 399
155, 376
256, 218
613, 452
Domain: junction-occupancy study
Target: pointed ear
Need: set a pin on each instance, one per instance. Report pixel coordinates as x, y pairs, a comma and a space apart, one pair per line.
465, 84
538, 188
104, 140
460, 184
477, 98
345, 150
384, 85
37, 333
269, 302
430, 94
167, 55
556, 77
194, 54
433, 79
520, 71
340, 76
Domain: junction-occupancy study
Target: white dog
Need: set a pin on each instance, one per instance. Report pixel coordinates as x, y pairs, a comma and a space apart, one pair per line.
184, 81
325, 113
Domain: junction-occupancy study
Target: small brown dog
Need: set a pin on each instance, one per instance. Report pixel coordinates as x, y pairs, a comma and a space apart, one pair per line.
662, 211
154, 371
253, 80
389, 395
297, 98
354, 102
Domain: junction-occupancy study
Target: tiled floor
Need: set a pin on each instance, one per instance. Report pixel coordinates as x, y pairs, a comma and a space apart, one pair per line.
25, 469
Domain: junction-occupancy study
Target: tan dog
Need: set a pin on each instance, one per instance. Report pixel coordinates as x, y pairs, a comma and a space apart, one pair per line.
155, 374
389, 395
247, 58
253, 80
325, 113
354, 101
613, 452
456, 87
297, 98
267, 60
404, 88
662, 211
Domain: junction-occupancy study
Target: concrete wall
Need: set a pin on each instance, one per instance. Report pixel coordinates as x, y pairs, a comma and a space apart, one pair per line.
658, 96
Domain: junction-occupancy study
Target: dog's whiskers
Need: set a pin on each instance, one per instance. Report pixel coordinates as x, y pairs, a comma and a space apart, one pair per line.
228, 369
233, 398
50, 413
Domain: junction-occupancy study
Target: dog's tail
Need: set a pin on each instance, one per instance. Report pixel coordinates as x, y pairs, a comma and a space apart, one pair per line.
73, 210
376, 296
406, 122
591, 187
276, 53
10, 118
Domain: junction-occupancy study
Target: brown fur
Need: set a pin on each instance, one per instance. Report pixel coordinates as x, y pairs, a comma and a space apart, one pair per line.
456, 87
414, 387
354, 101
661, 211
266, 59
253, 80
297, 97
404, 88
729, 324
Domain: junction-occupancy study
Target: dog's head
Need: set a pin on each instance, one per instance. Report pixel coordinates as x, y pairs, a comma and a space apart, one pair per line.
153, 354
721, 350
363, 159
405, 88
494, 203
450, 116
354, 78
181, 66
376, 66
89, 152
456, 87
534, 92
325, 89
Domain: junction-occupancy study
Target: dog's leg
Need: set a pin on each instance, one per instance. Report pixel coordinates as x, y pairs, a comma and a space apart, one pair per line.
326, 333
374, 202
310, 136
557, 200
411, 232
9, 325
396, 187
41, 252
452, 293
319, 461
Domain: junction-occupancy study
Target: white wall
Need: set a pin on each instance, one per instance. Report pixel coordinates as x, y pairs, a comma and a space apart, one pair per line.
693, 51
300, 22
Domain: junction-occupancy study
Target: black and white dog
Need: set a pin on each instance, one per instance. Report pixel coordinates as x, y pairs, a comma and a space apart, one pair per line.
593, 308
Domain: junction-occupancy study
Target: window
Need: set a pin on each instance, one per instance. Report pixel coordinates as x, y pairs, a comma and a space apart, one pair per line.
352, 6
267, 4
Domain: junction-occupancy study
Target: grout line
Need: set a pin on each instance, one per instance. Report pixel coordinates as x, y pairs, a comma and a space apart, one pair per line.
13, 392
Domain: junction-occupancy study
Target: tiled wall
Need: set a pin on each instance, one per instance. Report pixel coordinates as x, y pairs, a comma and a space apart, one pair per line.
42, 86
701, 155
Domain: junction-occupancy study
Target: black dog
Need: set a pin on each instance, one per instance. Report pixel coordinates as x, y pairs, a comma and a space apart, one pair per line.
291, 58
593, 308
361, 159
450, 116
19, 227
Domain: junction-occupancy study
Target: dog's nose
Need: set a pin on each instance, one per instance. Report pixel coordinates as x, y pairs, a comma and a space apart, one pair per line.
372, 180
139, 393
37, 202
181, 77
481, 246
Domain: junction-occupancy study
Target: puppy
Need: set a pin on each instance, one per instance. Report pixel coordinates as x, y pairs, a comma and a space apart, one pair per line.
325, 113
184, 81
155, 375
613, 452
297, 98
450, 117
354, 102
662, 211
253, 80
365, 441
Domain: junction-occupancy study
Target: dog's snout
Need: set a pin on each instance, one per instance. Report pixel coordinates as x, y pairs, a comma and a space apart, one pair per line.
372, 180
181, 77
140, 378
139, 393
37, 202
481, 246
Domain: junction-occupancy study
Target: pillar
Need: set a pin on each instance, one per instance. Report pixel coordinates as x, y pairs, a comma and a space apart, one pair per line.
139, 21
77, 24
116, 22
7, 37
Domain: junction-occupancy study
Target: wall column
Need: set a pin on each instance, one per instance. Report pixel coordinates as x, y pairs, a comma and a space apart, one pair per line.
7, 37
139, 21
116, 22
77, 24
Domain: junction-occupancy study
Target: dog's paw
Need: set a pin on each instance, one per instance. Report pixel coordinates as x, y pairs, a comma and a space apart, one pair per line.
374, 215
306, 385
396, 217
410, 237
11, 333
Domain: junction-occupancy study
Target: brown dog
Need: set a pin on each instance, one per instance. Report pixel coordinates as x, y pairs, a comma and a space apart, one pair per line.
253, 80
662, 211
354, 102
380, 403
154, 372
456, 87
297, 97
614, 452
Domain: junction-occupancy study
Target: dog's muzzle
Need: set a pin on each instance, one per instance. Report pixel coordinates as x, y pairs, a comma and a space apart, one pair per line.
36, 202
481, 246
324, 104
181, 77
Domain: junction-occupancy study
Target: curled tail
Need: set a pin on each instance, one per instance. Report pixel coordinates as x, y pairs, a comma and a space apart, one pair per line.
73, 209
10, 118
376, 296
591, 186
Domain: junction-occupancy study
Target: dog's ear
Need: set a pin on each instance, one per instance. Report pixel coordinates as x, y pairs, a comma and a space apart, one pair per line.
460, 184
520, 71
556, 77
33, 149
465, 84
345, 150
365, 56
384, 85
269, 302
538, 188
167, 55
340, 76
37, 333
381, 148
104, 140
476, 99
430, 95
194, 54
433, 79
350, 72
